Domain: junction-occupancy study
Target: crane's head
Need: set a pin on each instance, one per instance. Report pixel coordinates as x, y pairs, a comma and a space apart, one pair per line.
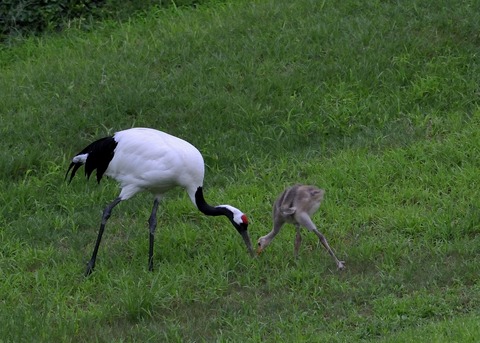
240, 222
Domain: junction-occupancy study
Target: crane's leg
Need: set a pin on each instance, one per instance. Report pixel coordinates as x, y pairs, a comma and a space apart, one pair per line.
323, 240
105, 216
298, 241
152, 223
305, 220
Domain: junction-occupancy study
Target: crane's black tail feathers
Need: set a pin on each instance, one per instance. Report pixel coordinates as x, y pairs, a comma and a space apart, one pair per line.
99, 154
75, 168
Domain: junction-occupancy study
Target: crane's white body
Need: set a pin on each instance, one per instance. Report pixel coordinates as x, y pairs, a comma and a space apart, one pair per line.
147, 159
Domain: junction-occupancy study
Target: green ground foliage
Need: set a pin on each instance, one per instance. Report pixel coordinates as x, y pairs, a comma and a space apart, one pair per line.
376, 102
20, 18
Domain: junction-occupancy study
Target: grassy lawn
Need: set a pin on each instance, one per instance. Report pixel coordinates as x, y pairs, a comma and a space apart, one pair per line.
378, 103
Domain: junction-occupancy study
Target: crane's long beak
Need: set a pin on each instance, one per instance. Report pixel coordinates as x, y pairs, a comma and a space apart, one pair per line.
248, 243
259, 250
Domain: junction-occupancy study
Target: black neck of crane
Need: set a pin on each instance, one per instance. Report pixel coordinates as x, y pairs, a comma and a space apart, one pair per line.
206, 208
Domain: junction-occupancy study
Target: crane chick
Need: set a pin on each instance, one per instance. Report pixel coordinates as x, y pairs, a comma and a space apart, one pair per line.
296, 205
143, 159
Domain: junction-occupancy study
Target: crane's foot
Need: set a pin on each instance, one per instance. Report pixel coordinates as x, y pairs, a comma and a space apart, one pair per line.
341, 265
90, 267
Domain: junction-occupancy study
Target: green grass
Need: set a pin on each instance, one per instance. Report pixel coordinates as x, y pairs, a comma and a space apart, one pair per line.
378, 103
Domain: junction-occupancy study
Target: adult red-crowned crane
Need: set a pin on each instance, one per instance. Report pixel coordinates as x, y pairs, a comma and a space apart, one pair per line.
143, 159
